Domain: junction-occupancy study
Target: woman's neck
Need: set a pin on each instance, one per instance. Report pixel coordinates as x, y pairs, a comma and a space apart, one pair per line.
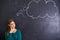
12, 30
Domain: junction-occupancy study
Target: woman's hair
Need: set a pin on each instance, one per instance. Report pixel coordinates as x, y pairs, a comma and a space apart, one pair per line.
10, 20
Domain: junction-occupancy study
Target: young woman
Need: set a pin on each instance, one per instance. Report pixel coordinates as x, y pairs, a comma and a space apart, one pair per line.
12, 33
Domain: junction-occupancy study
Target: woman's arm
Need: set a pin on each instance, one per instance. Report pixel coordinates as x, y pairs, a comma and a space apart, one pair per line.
8, 36
5, 35
19, 35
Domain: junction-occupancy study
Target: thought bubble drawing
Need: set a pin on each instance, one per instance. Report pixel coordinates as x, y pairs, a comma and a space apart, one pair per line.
53, 25
40, 9
20, 12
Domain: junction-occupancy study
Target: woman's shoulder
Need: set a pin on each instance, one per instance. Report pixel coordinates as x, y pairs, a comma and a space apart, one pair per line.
5, 32
19, 30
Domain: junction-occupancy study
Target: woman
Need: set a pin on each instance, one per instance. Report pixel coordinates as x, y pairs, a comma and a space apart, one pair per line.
12, 33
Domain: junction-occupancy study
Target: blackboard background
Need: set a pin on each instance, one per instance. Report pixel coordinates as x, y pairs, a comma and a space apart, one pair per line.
28, 26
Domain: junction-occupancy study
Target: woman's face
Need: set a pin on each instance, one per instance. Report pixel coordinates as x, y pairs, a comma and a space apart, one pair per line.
12, 25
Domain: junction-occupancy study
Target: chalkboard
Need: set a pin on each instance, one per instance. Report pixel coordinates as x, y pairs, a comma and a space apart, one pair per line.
37, 19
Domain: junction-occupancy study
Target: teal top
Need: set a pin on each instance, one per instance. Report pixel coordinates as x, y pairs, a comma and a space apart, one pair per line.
13, 36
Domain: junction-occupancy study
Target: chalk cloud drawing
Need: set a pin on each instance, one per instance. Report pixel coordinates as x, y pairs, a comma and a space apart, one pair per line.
53, 25
40, 9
